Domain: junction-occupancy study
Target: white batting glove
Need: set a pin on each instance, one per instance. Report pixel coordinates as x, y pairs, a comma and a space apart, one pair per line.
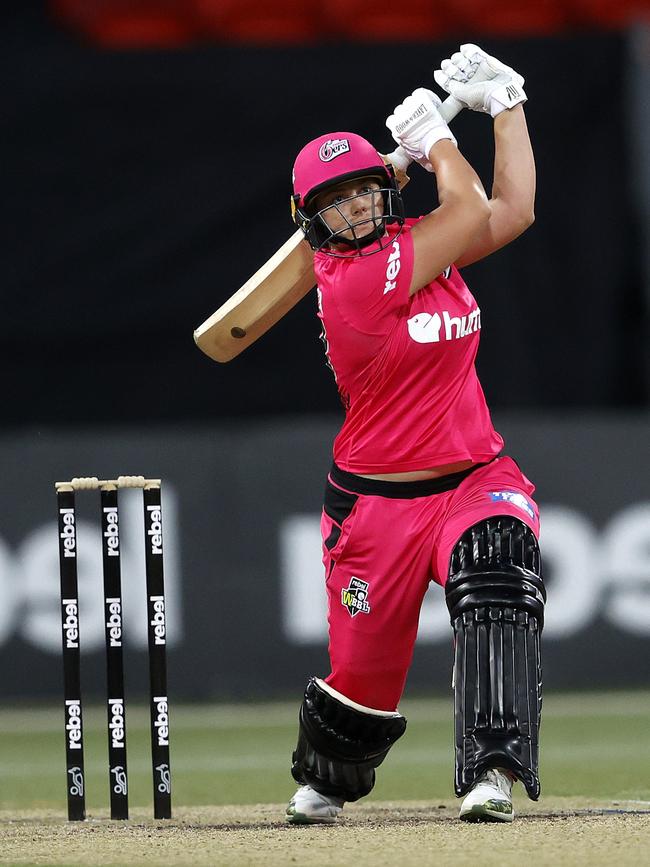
417, 125
480, 82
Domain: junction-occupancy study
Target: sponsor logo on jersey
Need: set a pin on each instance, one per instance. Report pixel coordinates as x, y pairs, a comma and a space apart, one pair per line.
355, 597
433, 327
392, 268
515, 498
333, 148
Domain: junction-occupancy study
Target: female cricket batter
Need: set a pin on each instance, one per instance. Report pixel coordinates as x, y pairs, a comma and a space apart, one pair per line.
419, 490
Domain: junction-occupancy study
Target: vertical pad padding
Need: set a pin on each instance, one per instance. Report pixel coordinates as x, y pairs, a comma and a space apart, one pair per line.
496, 597
339, 747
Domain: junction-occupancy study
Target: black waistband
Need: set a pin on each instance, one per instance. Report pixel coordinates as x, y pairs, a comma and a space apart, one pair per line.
399, 490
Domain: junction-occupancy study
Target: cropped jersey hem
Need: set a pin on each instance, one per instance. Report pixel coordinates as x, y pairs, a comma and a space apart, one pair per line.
395, 490
421, 463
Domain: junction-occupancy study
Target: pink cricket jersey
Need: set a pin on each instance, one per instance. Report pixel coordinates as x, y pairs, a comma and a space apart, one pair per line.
404, 365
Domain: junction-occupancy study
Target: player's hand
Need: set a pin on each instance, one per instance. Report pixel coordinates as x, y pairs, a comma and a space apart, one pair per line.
479, 81
416, 125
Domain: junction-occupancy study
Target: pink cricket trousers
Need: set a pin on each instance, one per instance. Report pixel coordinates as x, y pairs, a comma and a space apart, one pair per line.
383, 542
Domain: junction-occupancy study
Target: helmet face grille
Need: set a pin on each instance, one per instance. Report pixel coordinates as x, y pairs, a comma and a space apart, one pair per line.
331, 160
365, 236
322, 238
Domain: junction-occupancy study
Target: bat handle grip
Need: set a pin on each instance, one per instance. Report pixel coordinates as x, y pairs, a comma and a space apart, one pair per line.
448, 109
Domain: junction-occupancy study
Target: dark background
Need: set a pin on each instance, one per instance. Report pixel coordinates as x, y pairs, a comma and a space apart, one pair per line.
142, 187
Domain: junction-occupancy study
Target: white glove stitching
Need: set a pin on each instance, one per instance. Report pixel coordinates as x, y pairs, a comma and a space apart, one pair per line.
416, 124
479, 81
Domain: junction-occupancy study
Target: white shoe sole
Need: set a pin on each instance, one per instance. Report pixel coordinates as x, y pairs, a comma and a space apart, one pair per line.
490, 811
296, 818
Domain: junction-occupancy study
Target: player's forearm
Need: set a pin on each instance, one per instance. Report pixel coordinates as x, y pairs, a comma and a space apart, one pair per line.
463, 214
514, 167
458, 184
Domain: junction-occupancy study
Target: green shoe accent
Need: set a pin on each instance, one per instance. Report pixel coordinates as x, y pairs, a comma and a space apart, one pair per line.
297, 818
490, 811
294, 818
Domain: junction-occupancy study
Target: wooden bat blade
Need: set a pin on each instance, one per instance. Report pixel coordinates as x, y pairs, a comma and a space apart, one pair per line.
279, 284
261, 302
264, 299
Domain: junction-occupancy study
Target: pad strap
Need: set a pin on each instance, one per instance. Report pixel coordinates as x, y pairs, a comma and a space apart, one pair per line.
496, 597
339, 744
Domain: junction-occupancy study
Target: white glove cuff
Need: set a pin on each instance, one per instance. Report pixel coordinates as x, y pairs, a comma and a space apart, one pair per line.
434, 136
506, 96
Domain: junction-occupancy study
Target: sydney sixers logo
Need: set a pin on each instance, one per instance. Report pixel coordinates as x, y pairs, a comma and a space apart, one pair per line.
332, 148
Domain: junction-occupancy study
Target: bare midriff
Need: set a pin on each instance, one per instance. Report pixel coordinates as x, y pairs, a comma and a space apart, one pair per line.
421, 475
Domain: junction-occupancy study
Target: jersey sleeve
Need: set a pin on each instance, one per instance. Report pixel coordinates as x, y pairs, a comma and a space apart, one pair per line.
371, 292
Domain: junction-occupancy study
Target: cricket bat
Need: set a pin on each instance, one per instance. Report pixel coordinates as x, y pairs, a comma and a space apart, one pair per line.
279, 284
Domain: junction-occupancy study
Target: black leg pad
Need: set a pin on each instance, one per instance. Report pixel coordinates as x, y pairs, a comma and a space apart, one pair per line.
496, 597
339, 747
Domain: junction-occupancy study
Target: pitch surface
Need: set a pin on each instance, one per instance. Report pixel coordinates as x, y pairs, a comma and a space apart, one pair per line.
231, 784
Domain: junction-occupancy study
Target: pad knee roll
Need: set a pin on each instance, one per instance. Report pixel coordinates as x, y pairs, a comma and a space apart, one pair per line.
339, 746
496, 597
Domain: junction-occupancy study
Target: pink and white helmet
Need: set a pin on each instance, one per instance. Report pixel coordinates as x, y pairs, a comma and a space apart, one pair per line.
333, 159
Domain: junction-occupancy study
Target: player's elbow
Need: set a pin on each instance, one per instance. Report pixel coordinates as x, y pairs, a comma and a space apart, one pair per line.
521, 221
527, 219
513, 221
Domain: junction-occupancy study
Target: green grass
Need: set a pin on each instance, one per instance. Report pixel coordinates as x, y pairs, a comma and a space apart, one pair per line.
593, 745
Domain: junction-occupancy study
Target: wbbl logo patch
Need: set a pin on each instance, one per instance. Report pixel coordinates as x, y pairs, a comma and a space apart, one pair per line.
355, 597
